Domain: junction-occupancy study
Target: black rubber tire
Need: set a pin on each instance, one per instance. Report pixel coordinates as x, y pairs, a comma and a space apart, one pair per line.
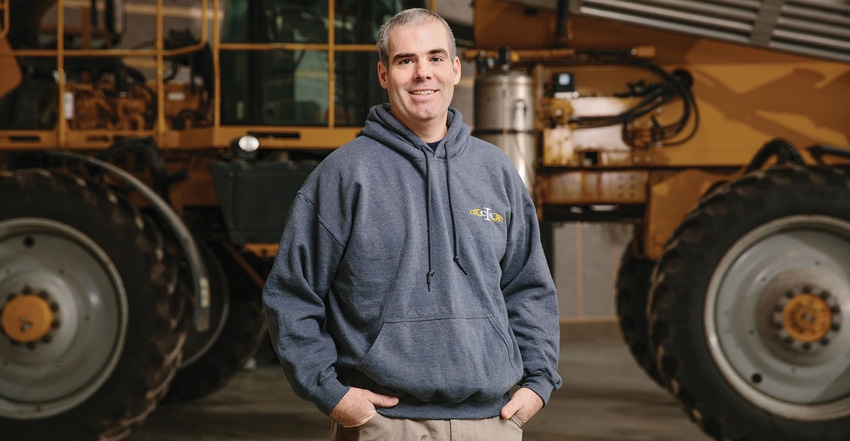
633, 282
685, 313
150, 352
242, 327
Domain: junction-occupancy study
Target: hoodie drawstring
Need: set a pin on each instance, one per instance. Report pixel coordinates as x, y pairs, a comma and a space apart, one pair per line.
452, 213
428, 218
456, 247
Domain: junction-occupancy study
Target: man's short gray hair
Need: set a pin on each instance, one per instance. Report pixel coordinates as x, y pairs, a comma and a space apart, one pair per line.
415, 17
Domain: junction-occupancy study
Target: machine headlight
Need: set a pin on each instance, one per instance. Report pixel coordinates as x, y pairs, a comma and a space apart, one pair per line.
245, 147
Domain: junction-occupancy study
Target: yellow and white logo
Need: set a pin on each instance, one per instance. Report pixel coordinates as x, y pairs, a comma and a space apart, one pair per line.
487, 214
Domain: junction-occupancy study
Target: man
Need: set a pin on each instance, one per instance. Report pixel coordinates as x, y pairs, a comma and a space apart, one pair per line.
410, 292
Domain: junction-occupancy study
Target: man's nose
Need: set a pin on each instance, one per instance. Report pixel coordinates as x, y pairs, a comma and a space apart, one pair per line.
423, 71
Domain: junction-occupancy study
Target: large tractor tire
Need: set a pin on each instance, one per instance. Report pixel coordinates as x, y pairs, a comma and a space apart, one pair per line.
747, 308
91, 311
633, 282
237, 325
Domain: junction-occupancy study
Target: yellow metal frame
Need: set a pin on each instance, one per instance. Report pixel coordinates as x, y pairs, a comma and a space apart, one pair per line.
746, 97
215, 136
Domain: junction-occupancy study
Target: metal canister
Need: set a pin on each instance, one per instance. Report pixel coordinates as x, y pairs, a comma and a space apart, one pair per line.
504, 116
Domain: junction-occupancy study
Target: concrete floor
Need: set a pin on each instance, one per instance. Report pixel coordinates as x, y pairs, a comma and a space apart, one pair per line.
605, 397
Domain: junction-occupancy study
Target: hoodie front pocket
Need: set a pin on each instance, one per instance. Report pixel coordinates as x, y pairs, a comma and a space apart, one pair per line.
444, 359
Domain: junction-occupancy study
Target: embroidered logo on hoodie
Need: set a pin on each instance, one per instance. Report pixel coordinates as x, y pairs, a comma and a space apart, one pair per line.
487, 214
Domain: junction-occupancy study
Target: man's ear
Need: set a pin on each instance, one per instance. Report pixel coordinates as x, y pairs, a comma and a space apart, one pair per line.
382, 74
456, 69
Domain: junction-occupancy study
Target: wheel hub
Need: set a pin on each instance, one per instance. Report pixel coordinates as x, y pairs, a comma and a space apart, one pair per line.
805, 320
807, 317
27, 318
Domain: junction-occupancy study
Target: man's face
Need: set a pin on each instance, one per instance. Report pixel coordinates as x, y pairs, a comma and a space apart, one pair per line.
420, 78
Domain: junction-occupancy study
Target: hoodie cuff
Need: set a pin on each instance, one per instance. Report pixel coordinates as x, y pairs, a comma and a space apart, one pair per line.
328, 394
539, 385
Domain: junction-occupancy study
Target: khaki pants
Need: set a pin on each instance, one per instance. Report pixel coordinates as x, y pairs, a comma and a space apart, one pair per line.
381, 428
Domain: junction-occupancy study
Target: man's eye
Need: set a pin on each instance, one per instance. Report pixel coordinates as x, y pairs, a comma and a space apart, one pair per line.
405, 62
437, 59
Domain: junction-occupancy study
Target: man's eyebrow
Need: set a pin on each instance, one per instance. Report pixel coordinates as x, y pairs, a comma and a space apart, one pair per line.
405, 55
402, 56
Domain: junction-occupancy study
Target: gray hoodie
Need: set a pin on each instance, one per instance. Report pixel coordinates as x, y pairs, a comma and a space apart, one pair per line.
417, 273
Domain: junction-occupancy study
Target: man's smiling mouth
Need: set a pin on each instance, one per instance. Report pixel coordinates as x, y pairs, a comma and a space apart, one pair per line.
422, 92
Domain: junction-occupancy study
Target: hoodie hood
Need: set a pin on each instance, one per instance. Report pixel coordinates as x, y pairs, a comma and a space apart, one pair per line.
386, 129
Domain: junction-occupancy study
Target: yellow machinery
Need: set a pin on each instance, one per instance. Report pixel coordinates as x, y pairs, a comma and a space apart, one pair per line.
683, 118
149, 151
146, 171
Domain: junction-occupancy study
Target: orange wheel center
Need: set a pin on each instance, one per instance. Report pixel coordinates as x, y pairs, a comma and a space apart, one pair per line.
807, 318
27, 318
